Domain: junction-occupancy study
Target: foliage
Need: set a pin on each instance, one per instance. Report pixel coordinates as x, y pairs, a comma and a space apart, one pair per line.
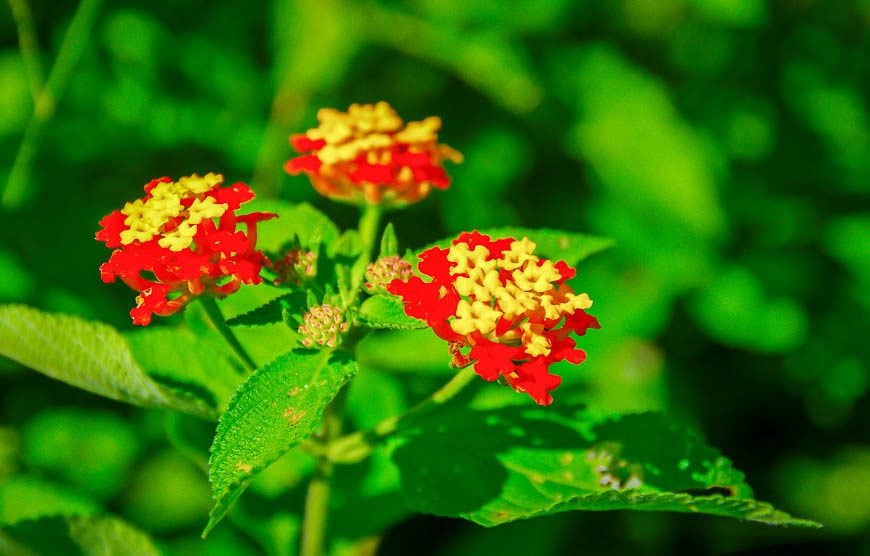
709, 158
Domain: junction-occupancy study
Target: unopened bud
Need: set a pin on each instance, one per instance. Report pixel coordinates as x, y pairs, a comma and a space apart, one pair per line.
322, 326
384, 270
295, 267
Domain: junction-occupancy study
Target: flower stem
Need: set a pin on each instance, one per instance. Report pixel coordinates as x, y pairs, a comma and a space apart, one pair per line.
356, 446
216, 318
316, 514
317, 499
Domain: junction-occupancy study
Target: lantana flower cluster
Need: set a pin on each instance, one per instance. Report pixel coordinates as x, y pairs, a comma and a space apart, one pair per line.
180, 241
369, 155
502, 308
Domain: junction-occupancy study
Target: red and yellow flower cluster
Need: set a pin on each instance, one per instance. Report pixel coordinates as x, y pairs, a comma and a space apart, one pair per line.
181, 241
513, 309
368, 155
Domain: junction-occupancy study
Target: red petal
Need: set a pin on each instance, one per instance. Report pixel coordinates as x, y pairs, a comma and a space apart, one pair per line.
303, 144
306, 163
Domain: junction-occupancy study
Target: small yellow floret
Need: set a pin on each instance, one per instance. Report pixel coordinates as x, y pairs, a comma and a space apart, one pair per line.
467, 259
205, 209
420, 132
179, 238
474, 316
534, 342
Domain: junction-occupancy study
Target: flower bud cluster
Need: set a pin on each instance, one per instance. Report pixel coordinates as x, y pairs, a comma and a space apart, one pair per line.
322, 325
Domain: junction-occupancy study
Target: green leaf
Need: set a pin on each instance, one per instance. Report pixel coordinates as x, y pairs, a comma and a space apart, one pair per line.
571, 247
273, 311
24, 498
497, 466
387, 311
199, 364
108, 536
302, 221
389, 242
89, 355
278, 407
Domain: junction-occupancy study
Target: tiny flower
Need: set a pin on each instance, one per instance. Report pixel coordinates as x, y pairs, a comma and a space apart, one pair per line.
510, 310
322, 325
295, 267
380, 273
180, 241
368, 155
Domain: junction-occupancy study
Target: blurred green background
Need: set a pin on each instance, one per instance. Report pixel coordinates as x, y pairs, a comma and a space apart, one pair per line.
724, 145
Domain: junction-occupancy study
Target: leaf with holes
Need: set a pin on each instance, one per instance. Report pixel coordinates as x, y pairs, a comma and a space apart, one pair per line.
89, 355
278, 407
497, 466
387, 311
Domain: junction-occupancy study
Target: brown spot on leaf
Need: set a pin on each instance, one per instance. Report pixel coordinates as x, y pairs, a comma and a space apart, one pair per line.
244, 467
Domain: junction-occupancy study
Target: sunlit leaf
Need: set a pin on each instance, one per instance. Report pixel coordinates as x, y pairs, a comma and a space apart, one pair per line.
274, 410
89, 355
387, 311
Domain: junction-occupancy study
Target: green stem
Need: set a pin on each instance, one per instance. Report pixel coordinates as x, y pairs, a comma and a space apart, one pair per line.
28, 45
216, 318
356, 446
71, 50
317, 499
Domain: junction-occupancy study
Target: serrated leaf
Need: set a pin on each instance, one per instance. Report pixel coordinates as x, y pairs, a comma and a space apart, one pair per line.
387, 311
25, 498
273, 311
89, 355
389, 242
571, 247
110, 536
497, 466
278, 407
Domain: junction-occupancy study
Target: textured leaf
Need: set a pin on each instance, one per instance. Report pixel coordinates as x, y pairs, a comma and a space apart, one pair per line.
271, 312
570, 247
89, 355
387, 311
24, 498
497, 466
110, 536
278, 407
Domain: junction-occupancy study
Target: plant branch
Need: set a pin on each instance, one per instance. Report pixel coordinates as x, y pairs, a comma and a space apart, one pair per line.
357, 446
28, 46
316, 514
217, 320
71, 50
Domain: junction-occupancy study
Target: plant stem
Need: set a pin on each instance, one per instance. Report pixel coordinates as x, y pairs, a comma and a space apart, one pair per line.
356, 446
317, 499
216, 318
71, 49
27, 44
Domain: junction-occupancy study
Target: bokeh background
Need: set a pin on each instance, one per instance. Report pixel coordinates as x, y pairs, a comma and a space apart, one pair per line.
724, 145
